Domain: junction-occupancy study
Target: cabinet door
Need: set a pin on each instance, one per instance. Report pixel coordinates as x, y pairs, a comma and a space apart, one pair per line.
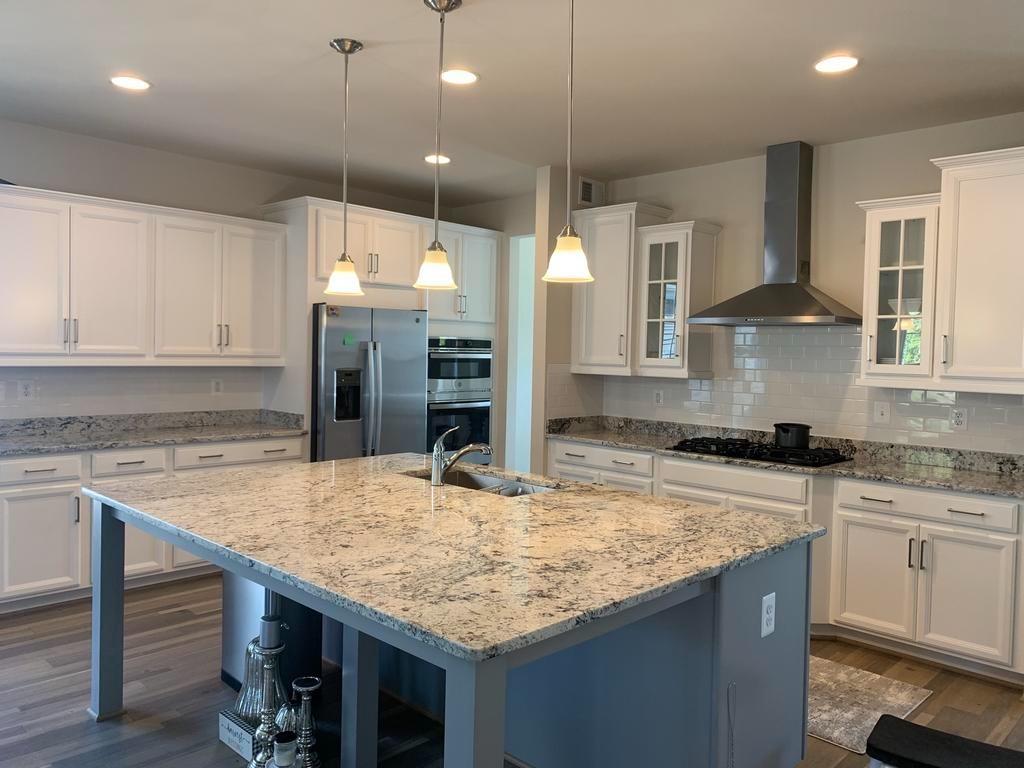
900, 286
662, 274
396, 248
110, 269
601, 308
875, 575
34, 257
966, 592
142, 553
479, 278
627, 483
330, 237
42, 540
253, 292
182, 559
982, 335
447, 305
188, 286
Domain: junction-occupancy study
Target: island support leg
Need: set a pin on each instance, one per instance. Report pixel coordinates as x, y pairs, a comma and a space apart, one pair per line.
360, 684
107, 697
474, 714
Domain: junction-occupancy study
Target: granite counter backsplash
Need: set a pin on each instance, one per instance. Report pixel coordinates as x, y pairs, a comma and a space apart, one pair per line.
64, 434
943, 468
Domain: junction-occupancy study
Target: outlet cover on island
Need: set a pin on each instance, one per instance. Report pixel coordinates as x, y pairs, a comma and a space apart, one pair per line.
958, 419
216, 386
883, 412
767, 614
659, 397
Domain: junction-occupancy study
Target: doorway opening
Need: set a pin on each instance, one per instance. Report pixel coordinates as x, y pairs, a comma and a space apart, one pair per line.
519, 386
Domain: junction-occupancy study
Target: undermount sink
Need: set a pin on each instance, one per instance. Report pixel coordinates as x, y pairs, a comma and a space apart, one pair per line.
497, 486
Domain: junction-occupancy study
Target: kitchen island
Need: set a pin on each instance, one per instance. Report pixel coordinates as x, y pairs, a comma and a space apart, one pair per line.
576, 625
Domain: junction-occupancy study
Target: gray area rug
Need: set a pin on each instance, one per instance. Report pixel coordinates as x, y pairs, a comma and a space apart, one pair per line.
844, 703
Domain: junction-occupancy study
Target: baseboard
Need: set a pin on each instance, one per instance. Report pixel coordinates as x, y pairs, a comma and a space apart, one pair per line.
230, 680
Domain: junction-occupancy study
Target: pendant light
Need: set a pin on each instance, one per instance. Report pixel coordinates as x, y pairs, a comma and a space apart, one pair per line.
344, 281
568, 263
435, 271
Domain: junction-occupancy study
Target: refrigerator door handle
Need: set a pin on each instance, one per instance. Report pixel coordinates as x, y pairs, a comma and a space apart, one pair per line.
369, 418
378, 418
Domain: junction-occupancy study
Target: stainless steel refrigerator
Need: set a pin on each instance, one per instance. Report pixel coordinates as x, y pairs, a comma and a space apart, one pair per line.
369, 382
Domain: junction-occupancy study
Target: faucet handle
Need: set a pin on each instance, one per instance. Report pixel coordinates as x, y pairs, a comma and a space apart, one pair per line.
439, 443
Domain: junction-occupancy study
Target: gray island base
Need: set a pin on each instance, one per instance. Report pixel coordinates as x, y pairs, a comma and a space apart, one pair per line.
577, 627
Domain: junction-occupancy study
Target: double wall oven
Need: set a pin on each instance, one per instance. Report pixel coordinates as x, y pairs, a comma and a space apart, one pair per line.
459, 391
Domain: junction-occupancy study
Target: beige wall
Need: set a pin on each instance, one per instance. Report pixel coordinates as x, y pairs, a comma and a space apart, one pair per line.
68, 162
732, 195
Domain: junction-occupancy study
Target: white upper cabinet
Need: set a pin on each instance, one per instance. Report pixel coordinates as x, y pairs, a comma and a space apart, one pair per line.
899, 289
188, 286
980, 319
675, 278
253, 285
330, 238
396, 252
34, 275
446, 305
110, 279
385, 249
473, 257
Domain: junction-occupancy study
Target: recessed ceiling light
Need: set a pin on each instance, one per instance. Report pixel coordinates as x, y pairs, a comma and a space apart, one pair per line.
130, 83
438, 159
459, 76
839, 63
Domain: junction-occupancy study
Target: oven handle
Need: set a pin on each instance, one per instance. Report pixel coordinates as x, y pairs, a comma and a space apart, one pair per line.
455, 406
462, 355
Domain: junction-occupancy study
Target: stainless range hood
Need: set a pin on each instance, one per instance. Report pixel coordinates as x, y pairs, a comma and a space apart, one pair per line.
787, 296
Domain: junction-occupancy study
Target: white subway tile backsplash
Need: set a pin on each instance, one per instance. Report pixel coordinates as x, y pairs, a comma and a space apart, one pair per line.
809, 374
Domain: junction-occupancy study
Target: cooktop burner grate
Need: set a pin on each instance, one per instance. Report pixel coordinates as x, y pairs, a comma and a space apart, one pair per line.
735, 448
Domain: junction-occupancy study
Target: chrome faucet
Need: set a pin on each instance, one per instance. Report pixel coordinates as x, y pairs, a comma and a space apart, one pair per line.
439, 466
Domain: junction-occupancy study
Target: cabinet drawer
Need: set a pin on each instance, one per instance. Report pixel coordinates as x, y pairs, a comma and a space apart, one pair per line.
788, 511
764, 484
683, 493
976, 511
217, 454
629, 462
43, 469
133, 462
627, 483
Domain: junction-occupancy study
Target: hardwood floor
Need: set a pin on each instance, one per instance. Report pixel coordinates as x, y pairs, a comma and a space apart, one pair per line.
173, 692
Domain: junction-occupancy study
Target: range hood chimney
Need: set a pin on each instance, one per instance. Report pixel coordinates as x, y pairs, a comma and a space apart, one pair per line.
787, 296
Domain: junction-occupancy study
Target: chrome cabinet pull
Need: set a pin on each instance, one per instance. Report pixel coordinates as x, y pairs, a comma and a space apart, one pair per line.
135, 463
227, 334
211, 456
910, 553
920, 556
966, 512
867, 351
34, 471
880, 501
78, 510
369, 264
66, 324
274, 450
624, 463
945, 349
220, 335
75, 339
622, 338
576, 455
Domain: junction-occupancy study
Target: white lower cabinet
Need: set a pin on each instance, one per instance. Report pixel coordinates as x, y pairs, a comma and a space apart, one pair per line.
951, 588
614, 467
42, 540
627, 483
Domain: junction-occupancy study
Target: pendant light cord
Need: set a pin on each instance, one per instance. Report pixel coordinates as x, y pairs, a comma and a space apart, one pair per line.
344, 170
568, 143
437, 134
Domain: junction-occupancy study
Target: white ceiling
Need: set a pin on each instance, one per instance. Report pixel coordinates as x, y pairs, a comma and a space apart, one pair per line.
661, 84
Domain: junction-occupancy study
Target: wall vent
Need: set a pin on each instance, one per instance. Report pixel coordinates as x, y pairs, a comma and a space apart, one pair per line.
589, 192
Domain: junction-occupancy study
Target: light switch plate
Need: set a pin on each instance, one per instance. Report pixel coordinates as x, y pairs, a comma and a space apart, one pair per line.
767, 614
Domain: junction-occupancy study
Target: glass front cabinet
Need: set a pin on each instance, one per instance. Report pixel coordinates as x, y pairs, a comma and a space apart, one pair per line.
899, 289
675, 278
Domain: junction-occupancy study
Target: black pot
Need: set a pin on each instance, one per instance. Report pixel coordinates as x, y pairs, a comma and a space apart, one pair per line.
789, 435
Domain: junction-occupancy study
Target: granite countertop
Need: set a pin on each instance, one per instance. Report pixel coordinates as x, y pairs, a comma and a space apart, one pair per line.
874, 469
29, 445
473, 574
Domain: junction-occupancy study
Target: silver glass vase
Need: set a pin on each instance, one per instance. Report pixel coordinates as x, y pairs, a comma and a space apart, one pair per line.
249, 703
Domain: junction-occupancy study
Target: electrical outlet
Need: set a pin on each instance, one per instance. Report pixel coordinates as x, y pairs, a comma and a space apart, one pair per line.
883, 412
216, 386
767, 614
659, 397
958, 419
26, 390
3, 391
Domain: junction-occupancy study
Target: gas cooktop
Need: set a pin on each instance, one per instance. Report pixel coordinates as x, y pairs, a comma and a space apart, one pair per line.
735, 448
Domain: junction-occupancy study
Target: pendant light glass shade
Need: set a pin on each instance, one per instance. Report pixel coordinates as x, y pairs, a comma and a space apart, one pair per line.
568, 262
435, 271
344, 281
